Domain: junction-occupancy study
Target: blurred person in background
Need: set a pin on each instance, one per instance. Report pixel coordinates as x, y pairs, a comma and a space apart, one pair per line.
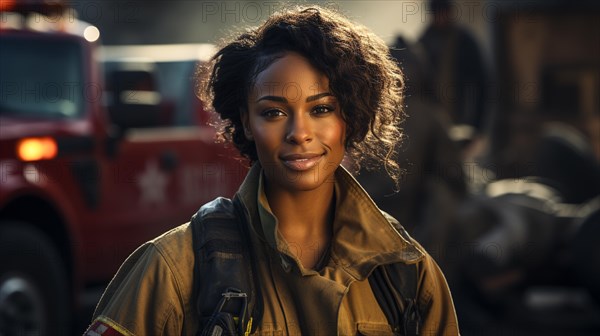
433, 183
326, 259
458, 73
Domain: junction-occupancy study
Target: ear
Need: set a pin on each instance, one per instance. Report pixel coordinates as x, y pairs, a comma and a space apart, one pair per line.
246, 124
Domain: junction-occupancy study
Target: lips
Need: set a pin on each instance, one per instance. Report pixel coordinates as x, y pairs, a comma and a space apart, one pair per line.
301, 162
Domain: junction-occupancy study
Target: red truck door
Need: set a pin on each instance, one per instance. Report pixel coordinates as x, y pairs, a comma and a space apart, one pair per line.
156, 175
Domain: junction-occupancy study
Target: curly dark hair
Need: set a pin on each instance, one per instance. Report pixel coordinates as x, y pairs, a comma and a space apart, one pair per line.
363, 77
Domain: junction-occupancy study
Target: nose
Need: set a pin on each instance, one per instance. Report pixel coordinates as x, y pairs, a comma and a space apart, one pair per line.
299, 130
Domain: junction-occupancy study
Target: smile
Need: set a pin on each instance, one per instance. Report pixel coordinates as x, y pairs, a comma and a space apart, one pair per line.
301, 162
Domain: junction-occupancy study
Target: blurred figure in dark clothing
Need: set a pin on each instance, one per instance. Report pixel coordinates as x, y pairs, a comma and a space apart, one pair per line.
530, 233
565, 157
433, 183
458, 72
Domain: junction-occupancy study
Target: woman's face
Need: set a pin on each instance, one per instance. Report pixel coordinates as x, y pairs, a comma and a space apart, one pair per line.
296, 125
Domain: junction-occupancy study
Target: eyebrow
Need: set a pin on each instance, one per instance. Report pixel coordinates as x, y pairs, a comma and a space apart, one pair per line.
283, 100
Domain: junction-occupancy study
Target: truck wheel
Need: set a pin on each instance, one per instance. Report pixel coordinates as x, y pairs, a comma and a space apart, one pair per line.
34, 296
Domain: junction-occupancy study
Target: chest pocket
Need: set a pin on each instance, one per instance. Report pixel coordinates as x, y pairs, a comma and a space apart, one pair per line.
374, 329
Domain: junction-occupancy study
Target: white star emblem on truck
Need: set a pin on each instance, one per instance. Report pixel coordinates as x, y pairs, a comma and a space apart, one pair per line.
152, 183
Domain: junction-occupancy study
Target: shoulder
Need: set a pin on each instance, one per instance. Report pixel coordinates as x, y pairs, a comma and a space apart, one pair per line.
429, 273
434, 298
151, 291
404, 234
168, 253
219, 207
433, 294
174, 246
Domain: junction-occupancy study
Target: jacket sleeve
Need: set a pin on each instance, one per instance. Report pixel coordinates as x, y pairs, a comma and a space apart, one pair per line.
438, 314
142, 299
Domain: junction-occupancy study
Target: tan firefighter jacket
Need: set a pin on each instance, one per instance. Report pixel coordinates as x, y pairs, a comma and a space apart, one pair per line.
152, 292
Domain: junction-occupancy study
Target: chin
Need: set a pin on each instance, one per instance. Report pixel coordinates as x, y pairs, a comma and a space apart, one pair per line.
300, 180
307, 185
307, 180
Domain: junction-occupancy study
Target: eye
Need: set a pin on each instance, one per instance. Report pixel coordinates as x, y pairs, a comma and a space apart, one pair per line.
323, 109
272, 113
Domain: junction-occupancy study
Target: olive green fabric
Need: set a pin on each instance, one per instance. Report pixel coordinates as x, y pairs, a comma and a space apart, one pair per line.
152, 292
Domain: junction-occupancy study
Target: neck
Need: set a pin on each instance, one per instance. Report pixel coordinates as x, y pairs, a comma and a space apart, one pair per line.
305, 220
303, 214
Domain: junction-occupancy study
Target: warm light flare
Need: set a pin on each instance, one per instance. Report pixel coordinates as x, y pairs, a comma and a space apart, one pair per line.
34, 149
91, 34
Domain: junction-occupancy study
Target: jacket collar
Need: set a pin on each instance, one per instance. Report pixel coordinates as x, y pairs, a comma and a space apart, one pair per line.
363, 236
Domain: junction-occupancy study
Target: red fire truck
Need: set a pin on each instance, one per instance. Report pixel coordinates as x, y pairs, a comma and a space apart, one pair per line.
91, 165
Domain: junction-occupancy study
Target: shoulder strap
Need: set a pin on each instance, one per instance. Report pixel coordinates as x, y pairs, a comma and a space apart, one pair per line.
224, 262
395, 288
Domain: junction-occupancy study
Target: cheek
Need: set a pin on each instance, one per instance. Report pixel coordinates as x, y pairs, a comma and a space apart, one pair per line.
338, 131
265, 138
335, 133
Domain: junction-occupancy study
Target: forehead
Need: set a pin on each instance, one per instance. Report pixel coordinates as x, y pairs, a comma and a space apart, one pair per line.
291, 72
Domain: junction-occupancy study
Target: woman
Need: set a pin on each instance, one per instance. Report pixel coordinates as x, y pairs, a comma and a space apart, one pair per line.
296, 95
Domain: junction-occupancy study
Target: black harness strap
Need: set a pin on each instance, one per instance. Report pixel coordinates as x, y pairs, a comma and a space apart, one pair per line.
225, 280
395, 287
